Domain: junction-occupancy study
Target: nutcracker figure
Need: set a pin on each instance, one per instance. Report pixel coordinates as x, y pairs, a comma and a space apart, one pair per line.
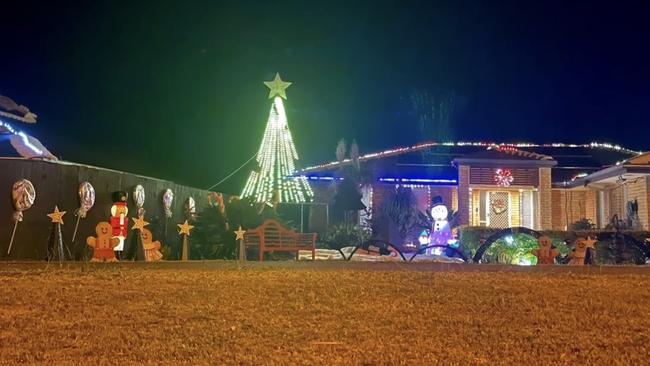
119, 221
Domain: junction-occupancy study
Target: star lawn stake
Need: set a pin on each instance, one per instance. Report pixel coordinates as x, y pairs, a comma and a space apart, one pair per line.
239, 236
136, 247
55, 245
56, 216
590, 243
184, 231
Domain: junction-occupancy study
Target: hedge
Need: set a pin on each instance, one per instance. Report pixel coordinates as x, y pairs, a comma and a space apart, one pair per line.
471, 237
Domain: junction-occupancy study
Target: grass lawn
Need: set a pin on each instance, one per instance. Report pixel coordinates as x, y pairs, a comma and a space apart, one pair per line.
302, 314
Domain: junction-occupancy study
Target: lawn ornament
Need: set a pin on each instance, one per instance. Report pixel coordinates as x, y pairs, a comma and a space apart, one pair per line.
546, 253
119, 221
151, 248
440, 230
104, 244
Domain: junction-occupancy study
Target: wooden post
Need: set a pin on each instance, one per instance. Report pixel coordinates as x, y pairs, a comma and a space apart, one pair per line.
239, 236
242, 250
185, 251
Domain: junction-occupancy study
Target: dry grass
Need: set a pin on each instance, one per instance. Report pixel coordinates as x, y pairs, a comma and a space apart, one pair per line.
148, 315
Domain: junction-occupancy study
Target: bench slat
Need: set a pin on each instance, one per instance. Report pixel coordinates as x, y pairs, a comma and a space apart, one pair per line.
271, 236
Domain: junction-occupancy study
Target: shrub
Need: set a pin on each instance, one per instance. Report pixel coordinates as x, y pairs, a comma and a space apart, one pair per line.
213, 236
583, 224
339, 236
607, 252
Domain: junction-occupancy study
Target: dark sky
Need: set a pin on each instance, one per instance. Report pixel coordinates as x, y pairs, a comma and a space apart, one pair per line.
173, 89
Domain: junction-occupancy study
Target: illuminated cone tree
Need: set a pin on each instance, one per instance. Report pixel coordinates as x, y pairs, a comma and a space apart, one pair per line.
274, 181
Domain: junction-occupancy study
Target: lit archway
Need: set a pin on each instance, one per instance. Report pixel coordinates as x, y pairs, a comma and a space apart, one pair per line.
501, 234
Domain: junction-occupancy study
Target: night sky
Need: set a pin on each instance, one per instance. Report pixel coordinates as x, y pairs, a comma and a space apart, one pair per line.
173, 89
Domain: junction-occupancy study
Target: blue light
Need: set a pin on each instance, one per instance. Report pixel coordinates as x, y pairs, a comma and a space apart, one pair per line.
418, 180
23, 136
316, 177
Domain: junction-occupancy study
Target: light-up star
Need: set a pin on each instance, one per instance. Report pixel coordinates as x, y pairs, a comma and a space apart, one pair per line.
239, 233
590, 243
138, 223
277, 87
57, 216
184, 228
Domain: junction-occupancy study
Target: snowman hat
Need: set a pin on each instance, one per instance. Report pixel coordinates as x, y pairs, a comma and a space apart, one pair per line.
436, 201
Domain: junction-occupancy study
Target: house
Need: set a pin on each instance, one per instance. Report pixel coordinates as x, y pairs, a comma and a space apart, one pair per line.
539, 186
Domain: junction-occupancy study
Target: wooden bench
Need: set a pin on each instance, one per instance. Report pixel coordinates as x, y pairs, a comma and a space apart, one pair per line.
272, 237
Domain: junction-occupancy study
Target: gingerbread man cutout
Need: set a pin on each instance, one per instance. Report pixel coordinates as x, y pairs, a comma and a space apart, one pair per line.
579, 253
151, 248
546, 253
103, 245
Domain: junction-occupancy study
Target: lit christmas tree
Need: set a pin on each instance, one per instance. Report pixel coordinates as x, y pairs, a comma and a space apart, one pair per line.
275, 182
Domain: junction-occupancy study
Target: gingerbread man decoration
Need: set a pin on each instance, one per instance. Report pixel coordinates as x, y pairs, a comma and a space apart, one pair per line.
546, 253
580, 252
103, 245
151, 248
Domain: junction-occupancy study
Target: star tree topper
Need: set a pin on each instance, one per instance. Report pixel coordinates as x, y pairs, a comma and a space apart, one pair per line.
239, 233
138, 223
57, 216
184, 228
277, 87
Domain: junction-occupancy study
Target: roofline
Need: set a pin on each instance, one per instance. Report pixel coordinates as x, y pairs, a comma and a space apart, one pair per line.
612, 171
425, 145
508, 162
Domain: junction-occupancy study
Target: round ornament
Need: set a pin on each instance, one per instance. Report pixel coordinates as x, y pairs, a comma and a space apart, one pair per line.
168, 197
86, 198
23, 195
138, 199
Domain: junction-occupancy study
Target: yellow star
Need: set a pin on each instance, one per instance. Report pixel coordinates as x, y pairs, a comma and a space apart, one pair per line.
590, 243
277, 87
138, 223
184, 228
239, 233
57, 216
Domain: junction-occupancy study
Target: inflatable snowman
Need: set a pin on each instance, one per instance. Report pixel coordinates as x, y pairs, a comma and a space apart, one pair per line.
440, 230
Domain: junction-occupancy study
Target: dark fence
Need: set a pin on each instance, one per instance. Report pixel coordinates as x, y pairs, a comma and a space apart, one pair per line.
57, 183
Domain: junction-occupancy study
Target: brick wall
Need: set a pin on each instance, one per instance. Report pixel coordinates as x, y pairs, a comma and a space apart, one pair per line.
463, 195
545, 197
616, 205
454, 198
569, 206
558, 213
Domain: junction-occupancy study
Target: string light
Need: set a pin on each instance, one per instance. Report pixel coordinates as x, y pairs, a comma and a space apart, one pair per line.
418, 180
426, 145
275, 181
23, 136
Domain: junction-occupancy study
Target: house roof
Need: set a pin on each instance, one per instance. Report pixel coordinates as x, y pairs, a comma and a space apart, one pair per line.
432, 160
15, 143
632, 168
506, 155
509, 152
10, 109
